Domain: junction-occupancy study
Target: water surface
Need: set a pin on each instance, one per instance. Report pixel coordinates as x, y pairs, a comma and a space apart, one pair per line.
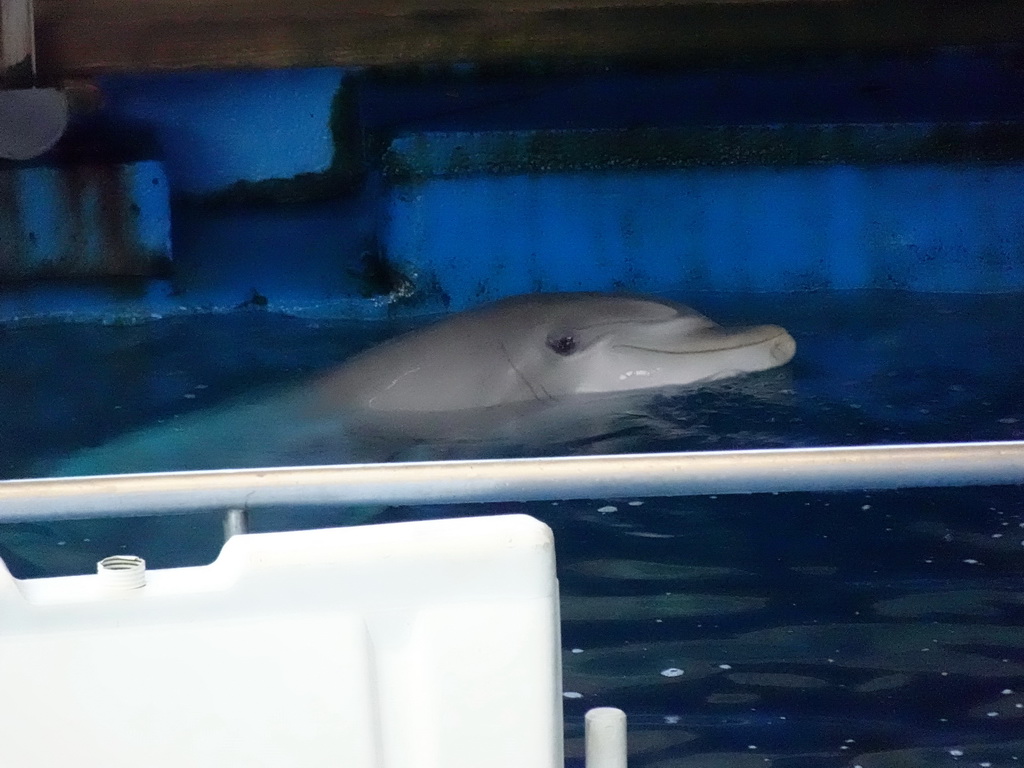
873, 629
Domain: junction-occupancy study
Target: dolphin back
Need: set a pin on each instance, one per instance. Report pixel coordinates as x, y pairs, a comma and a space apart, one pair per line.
271, 431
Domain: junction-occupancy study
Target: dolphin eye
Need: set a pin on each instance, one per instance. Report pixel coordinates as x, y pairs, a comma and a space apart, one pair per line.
562, 345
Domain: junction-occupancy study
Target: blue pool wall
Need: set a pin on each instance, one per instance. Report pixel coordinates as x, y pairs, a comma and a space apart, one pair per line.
465, 225
216, 129
931, 228
78, 222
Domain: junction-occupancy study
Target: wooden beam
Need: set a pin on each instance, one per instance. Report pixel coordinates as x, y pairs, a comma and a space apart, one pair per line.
82, 37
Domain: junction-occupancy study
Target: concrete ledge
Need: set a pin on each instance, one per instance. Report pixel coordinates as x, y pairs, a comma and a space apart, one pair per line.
442, 155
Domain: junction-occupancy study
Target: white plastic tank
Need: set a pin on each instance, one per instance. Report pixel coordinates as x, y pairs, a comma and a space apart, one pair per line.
426, 644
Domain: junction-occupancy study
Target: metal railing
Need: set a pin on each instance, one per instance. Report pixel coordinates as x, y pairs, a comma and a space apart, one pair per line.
873, 467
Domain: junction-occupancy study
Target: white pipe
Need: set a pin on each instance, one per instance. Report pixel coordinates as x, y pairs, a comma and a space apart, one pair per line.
17, 34
236, 522
32, 119
580, 477
604, 737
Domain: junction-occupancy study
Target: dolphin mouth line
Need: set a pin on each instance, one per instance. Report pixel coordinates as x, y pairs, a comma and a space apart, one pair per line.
698, 351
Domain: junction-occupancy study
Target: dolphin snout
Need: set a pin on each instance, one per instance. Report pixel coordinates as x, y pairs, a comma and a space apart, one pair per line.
773, 339
782, 348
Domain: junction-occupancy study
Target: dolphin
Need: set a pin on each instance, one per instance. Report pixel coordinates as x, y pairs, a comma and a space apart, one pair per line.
455, 379
541, 347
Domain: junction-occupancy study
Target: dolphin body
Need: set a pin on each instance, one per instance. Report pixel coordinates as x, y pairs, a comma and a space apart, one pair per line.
461, 378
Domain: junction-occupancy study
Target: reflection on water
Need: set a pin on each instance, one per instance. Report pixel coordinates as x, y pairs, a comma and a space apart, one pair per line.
872, 629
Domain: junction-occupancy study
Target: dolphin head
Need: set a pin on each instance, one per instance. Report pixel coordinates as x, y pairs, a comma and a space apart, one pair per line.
540, 347
593, 343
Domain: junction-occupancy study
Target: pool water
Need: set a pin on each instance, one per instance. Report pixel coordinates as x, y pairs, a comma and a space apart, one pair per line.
872, 629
